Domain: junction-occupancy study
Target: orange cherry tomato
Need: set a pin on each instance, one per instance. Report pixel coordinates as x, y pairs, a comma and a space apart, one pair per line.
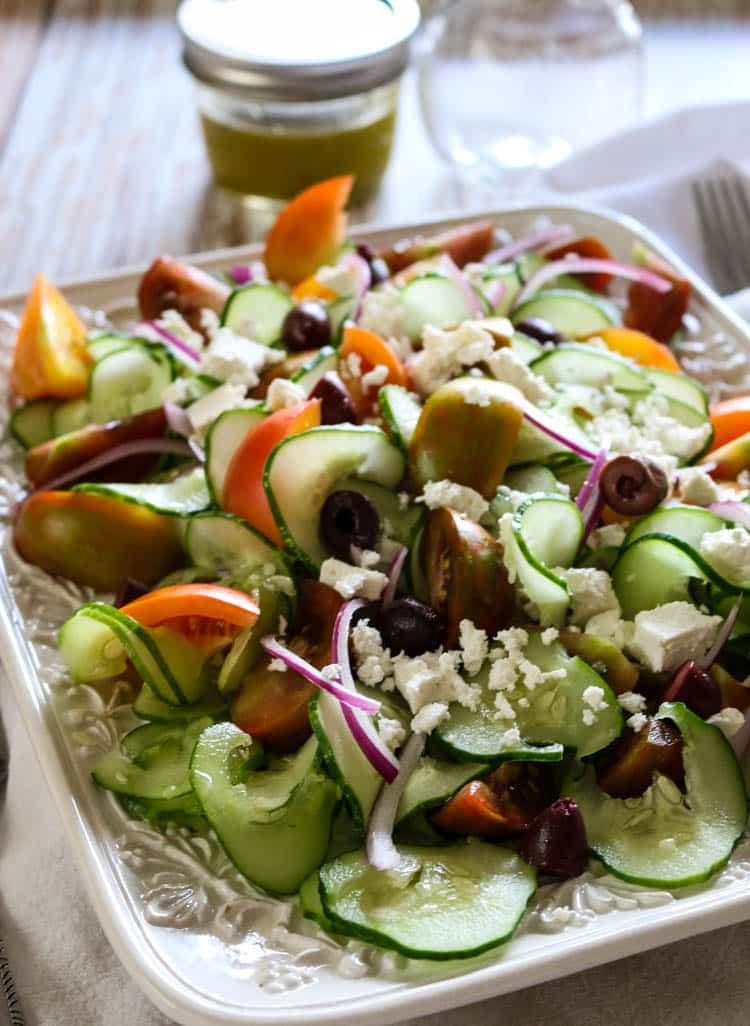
730, 419
369, 351
244, 494
585, 246
309, 231
50, 357
639, 347
311, 288
209, 616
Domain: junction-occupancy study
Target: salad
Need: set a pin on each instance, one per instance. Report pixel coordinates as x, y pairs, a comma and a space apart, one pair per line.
430, 567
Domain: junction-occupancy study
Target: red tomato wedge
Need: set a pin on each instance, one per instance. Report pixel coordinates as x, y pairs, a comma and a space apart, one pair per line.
209, 616
244, 494
50, 357
585, 246
309, 231
370, 351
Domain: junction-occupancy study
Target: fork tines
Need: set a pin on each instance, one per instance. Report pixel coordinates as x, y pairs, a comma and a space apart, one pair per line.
723, 208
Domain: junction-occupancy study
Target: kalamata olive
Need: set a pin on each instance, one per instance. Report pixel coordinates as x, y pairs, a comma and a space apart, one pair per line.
336, 405
306, 326
379, 271
696, 688
633, 486
346, 519
540, 329
130, 590
556, 840
410, 626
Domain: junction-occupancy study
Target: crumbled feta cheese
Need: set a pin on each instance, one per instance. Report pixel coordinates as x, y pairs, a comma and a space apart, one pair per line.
511, 738
383, 313
354, 365
391, 732
506, 365
591, 593
282, 393
366, 558
278, 666
632, 702
204, 411
637, 722
682, 441
210, 321
610, 535
433, 677
446, 494
173, 322
376, 377
666, 637
332, 672
445, 354
474, 646
593, 698
177, 391
550, 635
350, 581
475, 395
609, 625
237, 360
728, 553
429, 717
374, 664
728, 721
697, 486
340, 279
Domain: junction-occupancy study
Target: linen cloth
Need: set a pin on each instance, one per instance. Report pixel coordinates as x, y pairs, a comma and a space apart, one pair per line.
66, 972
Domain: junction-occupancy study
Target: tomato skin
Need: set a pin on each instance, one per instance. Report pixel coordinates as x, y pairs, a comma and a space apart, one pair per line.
657, 314
50, 356
503, 804
730, 419
209, 601
592, 248
639, 347
464, 245
244, 494
171, 285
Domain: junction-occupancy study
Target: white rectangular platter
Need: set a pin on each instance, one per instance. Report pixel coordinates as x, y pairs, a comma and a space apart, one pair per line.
205, 947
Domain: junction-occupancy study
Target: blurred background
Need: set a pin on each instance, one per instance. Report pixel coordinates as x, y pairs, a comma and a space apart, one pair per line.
103, 162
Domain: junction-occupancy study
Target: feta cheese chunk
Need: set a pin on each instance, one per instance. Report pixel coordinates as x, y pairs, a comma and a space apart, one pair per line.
728, 553
591, 593
666, 637
429, 717
383, 313
474, 646
352, 581
433, 677
282, 393
339, 279
609, 625
447, 353
173, 322
237, 360
697, 486
609, 535
391, 733
437, 494
506, 365
204, 411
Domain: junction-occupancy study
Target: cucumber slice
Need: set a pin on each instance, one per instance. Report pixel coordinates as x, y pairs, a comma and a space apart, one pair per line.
128, 381
536, 446
397, 522
274, 824
310, 903
185, 494
153, 761
149, 706
97, 640
687, 523
246, 651
435, 300
654, 570
257, 311
307, 377
532, 478
575, 314
553, 716
664, 838
303, 469
184, 811
103, 345
339, 312
678, 386
685, 414
441, 903
224, 438
31, 424
224, 543
584, 365
603, 558
418, 584
70, 416
401, 410
544, 533
528, 349
433, 783
508, 274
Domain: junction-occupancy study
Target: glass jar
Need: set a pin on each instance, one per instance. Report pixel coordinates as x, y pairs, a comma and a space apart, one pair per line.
294, 91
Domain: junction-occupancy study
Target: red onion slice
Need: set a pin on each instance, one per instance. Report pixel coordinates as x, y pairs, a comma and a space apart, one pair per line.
737, 512
241, 275
381, 851
592, 480
495, 292
301, 666
550, 236
185, 350
178, 419
722, 637
579, 450
377, 753
394, 573
138, 447
593, 513
473, 302
363, 279
588, 265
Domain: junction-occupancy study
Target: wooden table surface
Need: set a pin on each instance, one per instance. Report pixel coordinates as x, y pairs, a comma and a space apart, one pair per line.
101, 159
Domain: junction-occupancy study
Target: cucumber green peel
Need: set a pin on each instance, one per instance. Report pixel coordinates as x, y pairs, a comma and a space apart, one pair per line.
665, 838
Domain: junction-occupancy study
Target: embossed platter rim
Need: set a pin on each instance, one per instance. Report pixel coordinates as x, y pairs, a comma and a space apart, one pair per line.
192, 973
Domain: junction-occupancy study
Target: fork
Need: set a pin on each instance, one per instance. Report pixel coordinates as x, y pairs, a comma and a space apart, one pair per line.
723, 208
10, 1010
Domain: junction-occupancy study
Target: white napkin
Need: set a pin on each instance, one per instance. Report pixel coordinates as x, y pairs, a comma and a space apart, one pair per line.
66, 972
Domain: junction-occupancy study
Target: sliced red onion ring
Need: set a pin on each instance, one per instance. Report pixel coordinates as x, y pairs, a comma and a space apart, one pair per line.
301, 666
473, 302
738, 512
178, 419
197, 450
589, 486
495, 292
548, 237
242, 275
363, 730
722, 637
363, 279
138, 447
589, 265
579, 450
185, 350
394, 573
381, 851
593, 513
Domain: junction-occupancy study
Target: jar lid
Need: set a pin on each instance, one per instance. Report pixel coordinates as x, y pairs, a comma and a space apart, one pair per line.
297, 49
